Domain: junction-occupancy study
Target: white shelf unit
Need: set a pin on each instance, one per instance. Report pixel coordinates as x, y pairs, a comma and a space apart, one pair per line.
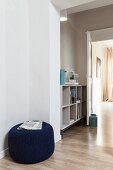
71, 105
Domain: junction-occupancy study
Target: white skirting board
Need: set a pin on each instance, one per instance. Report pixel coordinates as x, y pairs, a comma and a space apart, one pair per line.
58, 138
3, 153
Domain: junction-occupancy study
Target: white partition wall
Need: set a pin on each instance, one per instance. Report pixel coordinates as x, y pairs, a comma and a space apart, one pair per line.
14, 70
44, 63
55, 70
29, 65
39, 103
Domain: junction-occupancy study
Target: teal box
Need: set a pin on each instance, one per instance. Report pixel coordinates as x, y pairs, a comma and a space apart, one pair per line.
93, 120
62, 77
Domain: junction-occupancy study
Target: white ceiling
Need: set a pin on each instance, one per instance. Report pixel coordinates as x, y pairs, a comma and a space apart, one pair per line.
74, 6
64, 4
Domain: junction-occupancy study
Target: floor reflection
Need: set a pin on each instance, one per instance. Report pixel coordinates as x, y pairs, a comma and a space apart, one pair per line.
100, 136
105, 124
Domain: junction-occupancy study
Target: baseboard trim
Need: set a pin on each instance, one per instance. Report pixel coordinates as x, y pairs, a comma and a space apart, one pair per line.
3, 153
58, 138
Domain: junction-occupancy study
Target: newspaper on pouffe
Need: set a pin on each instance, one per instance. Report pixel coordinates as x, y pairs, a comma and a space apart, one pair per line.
31, 125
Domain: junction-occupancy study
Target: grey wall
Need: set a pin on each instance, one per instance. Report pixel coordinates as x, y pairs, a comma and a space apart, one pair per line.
95, 19
68, 41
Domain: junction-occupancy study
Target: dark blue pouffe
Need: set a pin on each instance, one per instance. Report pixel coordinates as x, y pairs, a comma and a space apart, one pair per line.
31, 146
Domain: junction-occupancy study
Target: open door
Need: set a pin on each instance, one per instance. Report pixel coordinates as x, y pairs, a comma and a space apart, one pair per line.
89, 76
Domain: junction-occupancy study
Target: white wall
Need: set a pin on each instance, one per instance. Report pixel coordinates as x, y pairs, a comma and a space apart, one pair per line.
55, 70
14, 59
29, 67
39, 60
3, 114
44, 63
97, 51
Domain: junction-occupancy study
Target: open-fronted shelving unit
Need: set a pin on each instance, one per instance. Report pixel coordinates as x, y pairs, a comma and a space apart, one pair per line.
73, 105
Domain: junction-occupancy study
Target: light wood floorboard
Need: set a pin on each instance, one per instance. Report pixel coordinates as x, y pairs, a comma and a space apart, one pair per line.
82, 148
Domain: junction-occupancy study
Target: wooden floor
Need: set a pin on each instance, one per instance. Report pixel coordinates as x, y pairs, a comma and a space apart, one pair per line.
82, 148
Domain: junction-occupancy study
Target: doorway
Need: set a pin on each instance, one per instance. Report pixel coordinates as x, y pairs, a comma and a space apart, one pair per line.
99, 69
102, 73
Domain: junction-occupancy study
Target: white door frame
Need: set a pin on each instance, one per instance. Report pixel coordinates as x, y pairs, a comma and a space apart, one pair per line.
93, 36
89, 76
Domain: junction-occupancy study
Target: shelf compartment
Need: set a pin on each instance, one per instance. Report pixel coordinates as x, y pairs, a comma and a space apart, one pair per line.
79, 111
73, 94
73, 112
79, 93
66, 95
65, 116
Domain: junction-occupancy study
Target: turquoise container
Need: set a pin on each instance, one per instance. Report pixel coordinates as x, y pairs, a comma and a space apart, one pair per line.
62, 76
93, 120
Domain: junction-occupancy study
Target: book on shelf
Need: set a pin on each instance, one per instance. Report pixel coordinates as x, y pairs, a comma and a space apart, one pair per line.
73, 95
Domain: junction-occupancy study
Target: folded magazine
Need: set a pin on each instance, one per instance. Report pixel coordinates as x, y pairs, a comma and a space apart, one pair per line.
31, 125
